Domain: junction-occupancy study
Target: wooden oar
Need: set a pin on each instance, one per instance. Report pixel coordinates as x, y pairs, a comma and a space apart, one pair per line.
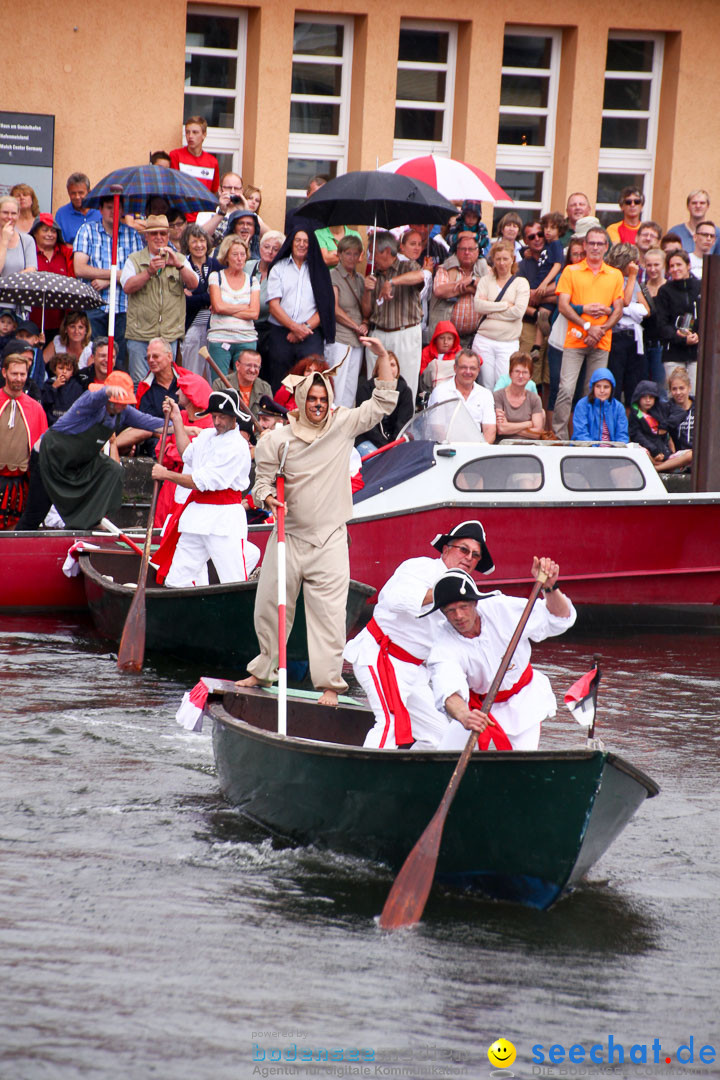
132, 644
108, 526
221, 375
411, 888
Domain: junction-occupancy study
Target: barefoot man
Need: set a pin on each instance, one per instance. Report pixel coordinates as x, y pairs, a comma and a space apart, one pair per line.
318, 504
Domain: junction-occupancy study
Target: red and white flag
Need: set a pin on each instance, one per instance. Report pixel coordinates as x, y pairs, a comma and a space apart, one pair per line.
192, 706
581, 698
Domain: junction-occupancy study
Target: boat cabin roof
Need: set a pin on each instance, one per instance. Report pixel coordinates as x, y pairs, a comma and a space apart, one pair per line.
444, 460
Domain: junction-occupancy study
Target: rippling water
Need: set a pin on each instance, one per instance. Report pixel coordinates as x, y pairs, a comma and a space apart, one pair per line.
147, 931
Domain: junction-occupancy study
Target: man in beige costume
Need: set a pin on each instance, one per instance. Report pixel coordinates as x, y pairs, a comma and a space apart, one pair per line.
318, 503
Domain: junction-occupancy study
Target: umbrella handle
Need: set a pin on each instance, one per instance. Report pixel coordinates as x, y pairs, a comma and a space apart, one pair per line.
117, 190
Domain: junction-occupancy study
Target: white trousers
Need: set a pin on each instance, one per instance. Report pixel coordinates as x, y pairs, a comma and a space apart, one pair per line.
346, 379
407, 346
233, 559
428, 724
457, 736
495, 358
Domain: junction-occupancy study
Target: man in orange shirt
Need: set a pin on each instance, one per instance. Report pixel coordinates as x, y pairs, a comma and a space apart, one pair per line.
590, 296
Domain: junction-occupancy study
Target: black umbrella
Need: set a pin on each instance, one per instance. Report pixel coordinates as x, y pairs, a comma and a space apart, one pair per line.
49, 290
139, 182
377, 198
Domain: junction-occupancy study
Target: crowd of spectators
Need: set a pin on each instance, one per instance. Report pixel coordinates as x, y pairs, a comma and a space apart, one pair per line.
554, 325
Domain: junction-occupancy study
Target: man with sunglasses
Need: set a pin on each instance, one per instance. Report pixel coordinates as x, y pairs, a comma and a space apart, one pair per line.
388, 655
631, 203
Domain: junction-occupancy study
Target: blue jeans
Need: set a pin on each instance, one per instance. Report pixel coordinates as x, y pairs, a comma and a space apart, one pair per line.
137, 351
226, 353
99, 327
656, 368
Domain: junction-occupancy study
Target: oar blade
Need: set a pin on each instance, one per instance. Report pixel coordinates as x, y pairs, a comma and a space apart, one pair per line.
131, 653
407, 898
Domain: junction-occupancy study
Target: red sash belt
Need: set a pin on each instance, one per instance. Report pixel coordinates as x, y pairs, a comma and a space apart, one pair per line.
163, 557
495, 733
388, 681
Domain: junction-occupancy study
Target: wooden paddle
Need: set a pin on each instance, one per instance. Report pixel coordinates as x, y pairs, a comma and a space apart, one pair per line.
132, 644
221, 375
411, 888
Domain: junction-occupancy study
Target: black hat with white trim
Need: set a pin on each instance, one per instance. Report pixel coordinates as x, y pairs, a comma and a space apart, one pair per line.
452, 588
468, 530
228, 402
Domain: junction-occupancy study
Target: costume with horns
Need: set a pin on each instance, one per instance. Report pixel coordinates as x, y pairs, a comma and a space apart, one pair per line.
319, 502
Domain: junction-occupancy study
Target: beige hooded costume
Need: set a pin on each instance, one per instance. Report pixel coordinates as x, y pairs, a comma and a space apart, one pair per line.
319, 502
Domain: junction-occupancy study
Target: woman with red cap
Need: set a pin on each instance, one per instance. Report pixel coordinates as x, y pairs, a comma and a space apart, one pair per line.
55, 257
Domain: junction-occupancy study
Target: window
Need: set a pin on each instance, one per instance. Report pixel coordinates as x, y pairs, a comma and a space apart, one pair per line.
633, 70
602, 473
215, 40
319, 101
507, 472
526, 126
425, 88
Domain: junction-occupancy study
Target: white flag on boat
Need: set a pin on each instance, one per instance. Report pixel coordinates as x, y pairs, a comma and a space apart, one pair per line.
190, 713
581, 698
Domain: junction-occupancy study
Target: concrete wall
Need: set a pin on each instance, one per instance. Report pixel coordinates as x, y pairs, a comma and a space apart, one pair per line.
114, 80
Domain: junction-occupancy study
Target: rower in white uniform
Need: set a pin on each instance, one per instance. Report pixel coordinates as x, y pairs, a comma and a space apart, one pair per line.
468, 649
388, 655
211, 523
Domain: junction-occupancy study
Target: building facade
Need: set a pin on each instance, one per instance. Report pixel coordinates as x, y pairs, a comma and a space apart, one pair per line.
586, 98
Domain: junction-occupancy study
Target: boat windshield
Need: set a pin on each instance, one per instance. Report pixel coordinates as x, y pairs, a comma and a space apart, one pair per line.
448, 421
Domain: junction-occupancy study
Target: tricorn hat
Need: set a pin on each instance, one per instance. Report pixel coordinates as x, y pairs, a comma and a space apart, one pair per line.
269, 407
228, 402
454, 587
468, 530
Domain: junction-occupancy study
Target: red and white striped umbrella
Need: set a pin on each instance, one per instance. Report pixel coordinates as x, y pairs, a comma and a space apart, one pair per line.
456, 180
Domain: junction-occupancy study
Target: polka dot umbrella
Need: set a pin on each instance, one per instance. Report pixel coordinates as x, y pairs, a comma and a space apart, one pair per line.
27, 289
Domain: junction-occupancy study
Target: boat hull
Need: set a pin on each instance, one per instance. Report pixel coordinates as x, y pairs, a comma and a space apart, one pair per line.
31, 576
641, 565
212, 624
523, 827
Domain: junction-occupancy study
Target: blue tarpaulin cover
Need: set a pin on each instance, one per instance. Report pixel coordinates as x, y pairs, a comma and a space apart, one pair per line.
392, 468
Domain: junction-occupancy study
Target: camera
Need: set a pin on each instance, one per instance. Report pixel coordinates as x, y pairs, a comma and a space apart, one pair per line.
236, 200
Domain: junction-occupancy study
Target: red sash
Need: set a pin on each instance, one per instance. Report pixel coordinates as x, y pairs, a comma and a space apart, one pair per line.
496, 734
388, 681
163, 557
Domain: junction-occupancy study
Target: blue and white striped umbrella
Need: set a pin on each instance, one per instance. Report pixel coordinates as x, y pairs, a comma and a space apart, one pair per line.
139, 182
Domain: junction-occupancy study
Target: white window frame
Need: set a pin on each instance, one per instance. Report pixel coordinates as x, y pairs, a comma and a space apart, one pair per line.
640, 162
533, 158
325, 147
224, 140
403, 148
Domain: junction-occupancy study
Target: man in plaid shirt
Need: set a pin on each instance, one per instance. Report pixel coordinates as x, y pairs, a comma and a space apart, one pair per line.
92, 259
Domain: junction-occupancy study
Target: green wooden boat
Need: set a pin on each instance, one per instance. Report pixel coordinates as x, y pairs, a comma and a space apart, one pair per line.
553, 815
210, 624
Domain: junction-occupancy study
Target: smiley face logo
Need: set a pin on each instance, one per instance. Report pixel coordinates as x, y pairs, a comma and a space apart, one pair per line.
501, 1054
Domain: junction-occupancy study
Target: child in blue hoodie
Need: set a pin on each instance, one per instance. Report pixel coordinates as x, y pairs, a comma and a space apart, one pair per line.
599, 417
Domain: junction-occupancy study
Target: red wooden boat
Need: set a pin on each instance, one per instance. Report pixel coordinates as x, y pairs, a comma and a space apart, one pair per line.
31, 574
631, 551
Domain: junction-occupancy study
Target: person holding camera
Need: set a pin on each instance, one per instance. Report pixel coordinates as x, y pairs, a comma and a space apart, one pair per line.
154, 280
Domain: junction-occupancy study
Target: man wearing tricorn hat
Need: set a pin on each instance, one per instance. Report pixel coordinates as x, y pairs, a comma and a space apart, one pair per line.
211, 523
319, 503
468, 649
388, 655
